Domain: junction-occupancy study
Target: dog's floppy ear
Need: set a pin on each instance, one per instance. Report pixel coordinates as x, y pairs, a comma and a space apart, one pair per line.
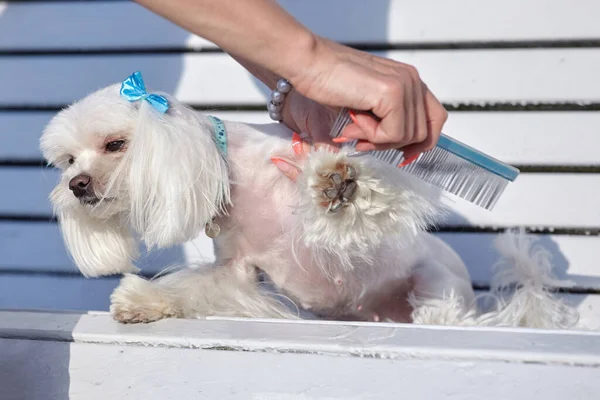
98, 246
178, 179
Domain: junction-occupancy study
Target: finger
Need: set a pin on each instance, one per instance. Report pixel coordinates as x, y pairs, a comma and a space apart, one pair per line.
413, 150
409, 117
363, 145
286, 167
392, 128
421, 128
436, 116
365, 126
348, 133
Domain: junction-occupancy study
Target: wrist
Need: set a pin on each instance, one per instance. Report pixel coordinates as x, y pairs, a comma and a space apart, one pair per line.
298, 57
287, 61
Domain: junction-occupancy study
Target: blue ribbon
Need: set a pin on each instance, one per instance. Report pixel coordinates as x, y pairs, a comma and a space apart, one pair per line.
133, 89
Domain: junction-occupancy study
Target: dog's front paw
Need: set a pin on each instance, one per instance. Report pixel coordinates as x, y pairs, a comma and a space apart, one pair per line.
138, 300
335, 183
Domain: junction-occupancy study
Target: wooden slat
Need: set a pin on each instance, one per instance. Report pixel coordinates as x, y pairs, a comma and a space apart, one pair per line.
56, 292
549, 200
349, 338
96, 371
50, 255
573, 257
357, 21
87, 25
558, 75
21, 133
529, 138
20, 200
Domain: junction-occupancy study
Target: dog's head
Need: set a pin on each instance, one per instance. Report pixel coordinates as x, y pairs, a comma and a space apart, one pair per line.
129, 170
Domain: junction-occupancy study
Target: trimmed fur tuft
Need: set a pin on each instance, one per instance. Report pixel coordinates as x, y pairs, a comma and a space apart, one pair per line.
386, 203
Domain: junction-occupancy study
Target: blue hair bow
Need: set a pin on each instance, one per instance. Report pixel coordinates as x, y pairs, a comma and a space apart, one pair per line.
133, 89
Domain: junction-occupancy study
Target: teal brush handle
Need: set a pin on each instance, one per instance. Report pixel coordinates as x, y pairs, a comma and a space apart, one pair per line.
477, 157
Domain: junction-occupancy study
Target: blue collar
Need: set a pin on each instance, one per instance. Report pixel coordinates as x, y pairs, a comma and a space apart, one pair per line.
212, 229
220, 134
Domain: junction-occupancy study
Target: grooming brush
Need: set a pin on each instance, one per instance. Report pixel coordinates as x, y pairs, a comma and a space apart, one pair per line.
452, 166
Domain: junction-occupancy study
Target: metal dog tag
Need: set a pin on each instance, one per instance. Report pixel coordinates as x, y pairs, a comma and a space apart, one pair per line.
212, 230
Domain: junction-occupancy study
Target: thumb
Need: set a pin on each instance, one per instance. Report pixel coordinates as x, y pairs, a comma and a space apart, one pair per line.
287, 167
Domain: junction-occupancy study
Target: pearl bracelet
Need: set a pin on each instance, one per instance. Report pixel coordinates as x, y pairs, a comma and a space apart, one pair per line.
275, 106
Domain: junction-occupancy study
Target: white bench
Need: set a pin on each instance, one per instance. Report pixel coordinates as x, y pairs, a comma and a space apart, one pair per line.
520, 81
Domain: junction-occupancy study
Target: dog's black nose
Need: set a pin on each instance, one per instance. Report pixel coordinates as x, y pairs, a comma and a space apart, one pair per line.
80, 185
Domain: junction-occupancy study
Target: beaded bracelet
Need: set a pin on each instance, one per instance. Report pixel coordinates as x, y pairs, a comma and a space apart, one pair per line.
277, 98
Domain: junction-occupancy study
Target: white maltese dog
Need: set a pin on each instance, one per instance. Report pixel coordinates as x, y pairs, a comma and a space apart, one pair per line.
344, 239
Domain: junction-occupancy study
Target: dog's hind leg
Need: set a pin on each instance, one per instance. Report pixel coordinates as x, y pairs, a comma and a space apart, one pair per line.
443, 294
192, 293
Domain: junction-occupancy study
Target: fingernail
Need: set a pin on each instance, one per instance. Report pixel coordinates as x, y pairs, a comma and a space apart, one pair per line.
297, 143
409, 160
352, 116
277, 160
341, 139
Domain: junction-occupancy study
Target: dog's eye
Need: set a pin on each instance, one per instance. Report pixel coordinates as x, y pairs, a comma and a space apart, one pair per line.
71, 160
115, 146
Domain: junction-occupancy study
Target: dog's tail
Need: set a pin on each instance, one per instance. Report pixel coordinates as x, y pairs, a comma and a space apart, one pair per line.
521, 292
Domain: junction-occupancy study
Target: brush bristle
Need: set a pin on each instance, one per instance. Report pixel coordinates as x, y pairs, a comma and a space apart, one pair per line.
459, 177
441, 168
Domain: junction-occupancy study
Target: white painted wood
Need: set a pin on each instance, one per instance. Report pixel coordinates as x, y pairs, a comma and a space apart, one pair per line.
538, 138
362, 339
549, 200
267, 376
94, 371
574, 257
554, 75
373, 21
588, 307
513, 137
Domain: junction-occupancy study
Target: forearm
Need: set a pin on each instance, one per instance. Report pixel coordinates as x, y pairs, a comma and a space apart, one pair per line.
266, 76
259, 33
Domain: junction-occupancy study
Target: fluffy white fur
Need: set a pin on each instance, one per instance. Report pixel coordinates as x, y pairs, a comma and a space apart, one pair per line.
524, 276
372, 260
170, 204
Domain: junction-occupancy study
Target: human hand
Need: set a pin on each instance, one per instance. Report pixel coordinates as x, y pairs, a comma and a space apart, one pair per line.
407, 114
306, 116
